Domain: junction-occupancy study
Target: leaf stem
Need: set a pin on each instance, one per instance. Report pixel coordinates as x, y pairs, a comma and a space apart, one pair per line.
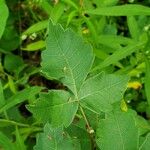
13, 122
89, 128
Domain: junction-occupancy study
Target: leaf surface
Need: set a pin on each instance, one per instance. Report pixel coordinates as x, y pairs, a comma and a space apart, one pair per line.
147, 80
3, 16
118, 131
20, 97
101, 91
67, 57
122, 10
146, 144
120, 54
53, 139
5, 142
57, 107
2, 98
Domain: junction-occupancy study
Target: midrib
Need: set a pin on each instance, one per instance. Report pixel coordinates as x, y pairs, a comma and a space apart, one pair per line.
66, 60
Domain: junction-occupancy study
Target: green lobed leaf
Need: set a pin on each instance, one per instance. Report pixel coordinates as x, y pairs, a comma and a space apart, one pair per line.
80, 135
122, 10
53, 139
4, 15
118, 131
101, 91
67, 57
56, 107
146, 144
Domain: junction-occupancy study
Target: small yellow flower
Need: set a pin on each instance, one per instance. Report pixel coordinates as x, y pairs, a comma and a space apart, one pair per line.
135, 85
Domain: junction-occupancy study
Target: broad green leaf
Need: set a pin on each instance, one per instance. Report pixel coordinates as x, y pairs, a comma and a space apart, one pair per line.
120, 54
36, 27
81, 136
5, 143
146, 144
147, 80
3, 16
10, 40
133, 27
143, 125
57, 107
12, 62
67, 57
118, 131
34, 46
110, 2
20, 97
53, 139
122, 10
2, 98
101, 91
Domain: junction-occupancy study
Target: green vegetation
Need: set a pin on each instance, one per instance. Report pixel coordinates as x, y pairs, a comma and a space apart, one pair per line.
75, 74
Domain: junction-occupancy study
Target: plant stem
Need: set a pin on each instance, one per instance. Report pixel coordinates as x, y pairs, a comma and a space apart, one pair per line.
89, 128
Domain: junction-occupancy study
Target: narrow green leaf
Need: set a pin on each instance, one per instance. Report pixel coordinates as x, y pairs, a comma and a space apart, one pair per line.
34, 46
147, 80
71, 3
11, 84
70, 17
53, 139
4, 15
2, 99
120, 54
19, 141
111, 39
5, 143
67, 57
91, 28
5, 122
146, 144
57, 12
118, 131
133, 27
36, 27
122, 10
101, 91
56, 107
20, 97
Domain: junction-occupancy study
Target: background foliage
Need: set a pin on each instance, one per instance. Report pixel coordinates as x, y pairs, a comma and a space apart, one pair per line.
75, 74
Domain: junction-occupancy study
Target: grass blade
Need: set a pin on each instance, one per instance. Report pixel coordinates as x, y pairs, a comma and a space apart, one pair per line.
122, 10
